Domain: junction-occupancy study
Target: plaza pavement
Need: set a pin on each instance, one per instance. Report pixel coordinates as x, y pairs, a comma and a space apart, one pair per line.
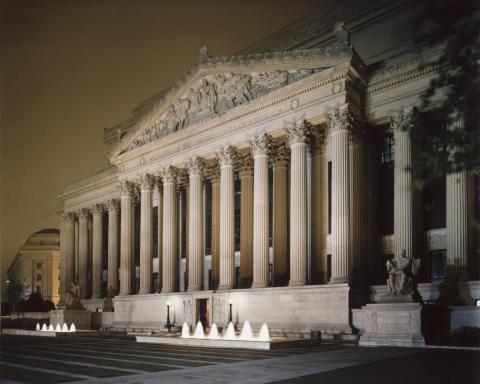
84, 360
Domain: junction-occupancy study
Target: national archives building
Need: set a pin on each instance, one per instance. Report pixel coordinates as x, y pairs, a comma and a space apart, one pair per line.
277, 180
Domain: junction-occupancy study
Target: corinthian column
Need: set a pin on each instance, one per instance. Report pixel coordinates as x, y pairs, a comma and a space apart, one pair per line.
113, 207
340, 122
126, 238
169, 268
457, 218
246, 222
195, 225
403, 200
260, 146
215, 227
97, 250
146, 234
280, 215
297, 135
83, 217
227, 219
68, 253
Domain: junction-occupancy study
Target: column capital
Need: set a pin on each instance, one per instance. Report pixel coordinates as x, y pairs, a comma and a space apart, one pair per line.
127, 188
69, 217
147, 182
403, 119
195, 166
341, 119
260, 145
317, 140
213, 171
281, 155
169, 174
98, 209
182, 178
298, 132
226, 155
83, 213
113, 205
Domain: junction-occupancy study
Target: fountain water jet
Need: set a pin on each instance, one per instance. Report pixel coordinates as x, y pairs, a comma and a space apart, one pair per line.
37, 328
65, 327
246, 333
230, 334
264, 334
199, 333
213, 335
185, 331
57, 328
72, 328
50, 328
44, 327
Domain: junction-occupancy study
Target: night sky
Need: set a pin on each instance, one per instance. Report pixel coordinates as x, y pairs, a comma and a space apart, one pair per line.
69, 68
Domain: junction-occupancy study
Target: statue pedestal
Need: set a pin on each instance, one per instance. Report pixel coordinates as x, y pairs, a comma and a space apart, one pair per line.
391, 324
81, 318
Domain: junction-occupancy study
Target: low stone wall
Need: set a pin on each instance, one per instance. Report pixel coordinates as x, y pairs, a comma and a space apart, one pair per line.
92, 304
295, 311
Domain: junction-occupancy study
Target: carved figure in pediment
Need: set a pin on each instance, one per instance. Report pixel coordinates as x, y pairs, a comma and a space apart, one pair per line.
269, 80
181, 108
298, 75
242, 89
160, 128
192, 95
171, 120
206, 97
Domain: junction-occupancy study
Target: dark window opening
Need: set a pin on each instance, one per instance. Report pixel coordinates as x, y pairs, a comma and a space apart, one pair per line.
329, 197
439, 264
434, 204
237, 198
329, 267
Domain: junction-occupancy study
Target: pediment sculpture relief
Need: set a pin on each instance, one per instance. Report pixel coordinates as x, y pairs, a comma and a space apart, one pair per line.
214, 96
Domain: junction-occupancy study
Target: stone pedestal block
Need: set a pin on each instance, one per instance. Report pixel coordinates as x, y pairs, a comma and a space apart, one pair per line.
391, 324
81, 318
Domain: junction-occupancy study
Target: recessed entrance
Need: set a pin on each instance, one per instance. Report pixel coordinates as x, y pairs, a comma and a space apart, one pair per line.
202, 312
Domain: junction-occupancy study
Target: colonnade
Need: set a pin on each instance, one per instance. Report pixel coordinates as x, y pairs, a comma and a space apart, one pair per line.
290, 213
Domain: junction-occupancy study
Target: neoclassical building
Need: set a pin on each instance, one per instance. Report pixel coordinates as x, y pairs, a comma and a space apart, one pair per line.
277, 180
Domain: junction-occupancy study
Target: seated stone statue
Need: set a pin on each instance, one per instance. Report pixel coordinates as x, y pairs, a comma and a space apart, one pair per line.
400, 273
72, 297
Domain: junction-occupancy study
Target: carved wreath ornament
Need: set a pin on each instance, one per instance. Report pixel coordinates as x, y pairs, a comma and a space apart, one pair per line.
214, 96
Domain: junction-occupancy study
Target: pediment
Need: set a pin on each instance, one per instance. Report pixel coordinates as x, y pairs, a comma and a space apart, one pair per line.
218, 85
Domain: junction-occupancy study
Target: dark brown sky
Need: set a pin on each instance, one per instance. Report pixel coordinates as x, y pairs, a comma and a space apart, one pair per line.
71, 67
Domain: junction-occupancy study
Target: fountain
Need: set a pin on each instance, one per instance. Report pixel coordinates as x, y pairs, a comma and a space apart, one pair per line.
57, 328
246, 334
37, 328
264, 334
199, 333
72, 328
230, 334
213, 335
65, 327
44, 327
185, 331
50, 328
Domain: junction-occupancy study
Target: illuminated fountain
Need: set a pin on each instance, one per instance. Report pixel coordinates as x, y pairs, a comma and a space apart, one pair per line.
230, 334
199, 333
44, 327
246, 334
37, 328
264, 334
50, 328
72, 328
185, 331
213, 335
65, 327
57, 328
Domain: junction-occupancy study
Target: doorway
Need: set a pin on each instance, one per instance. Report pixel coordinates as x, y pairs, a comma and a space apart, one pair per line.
202, 312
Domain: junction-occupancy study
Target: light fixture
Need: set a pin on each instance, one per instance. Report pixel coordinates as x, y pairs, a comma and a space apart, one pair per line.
168, 325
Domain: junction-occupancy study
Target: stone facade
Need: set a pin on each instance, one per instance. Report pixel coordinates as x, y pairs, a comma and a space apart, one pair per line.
294, 132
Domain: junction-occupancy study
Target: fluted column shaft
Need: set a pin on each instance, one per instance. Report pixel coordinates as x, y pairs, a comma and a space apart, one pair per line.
340, 136
97, 251
170, 248
83, 251
280, 217
298, 205
126, 239
196, 226
215, 230
227, 220
246, 223
160, 235
146, 235
68, 253
259, 146
403, 198
113, 208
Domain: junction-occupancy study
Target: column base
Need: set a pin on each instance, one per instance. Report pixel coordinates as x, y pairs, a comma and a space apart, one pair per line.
124, 293
259, 285
297, 283
167, 290
225, 287
191, 289
147, 292
339, 280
